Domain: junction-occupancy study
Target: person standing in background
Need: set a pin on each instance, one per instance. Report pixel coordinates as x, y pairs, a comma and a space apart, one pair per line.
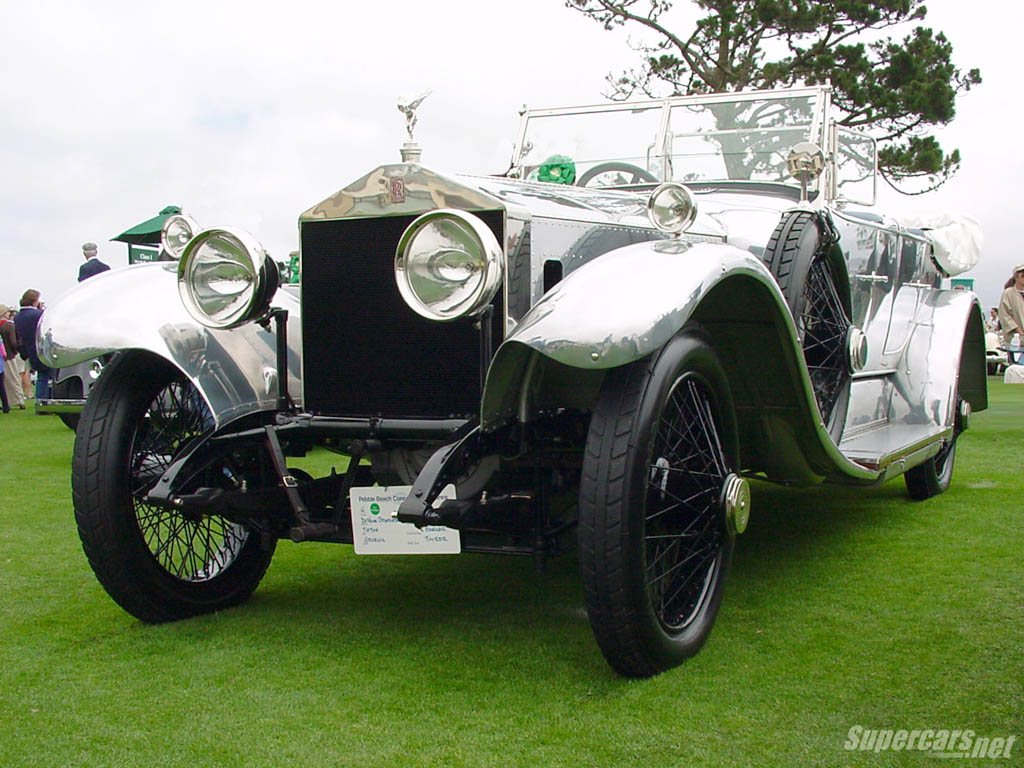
1011, 309
26, 378
92, 266
992, 324
3, 389
25, 324
12, 362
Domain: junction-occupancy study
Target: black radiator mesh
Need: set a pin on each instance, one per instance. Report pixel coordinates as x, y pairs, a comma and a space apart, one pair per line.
365, 353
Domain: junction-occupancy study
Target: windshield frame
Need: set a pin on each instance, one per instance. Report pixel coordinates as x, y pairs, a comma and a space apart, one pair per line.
821, 130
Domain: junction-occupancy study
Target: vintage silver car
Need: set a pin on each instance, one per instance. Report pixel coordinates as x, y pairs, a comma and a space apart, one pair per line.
596, 350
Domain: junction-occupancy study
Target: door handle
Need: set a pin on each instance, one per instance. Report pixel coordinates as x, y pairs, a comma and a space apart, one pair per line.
873, 278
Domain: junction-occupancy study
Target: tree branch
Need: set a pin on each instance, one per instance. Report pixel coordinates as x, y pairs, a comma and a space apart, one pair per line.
900, 88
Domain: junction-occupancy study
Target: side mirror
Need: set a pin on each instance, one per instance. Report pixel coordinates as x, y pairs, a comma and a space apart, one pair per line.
805, 163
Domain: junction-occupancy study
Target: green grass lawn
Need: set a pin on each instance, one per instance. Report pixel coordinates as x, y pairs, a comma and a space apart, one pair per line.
843, 608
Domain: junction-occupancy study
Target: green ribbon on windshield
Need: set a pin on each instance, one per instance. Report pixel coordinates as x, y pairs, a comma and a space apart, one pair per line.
557, 169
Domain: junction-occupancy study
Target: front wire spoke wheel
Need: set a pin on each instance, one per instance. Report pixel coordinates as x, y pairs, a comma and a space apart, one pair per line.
159, 563
193, 547
683, 531
653, 540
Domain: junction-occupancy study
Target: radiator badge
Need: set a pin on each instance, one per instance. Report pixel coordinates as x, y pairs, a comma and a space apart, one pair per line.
397, 190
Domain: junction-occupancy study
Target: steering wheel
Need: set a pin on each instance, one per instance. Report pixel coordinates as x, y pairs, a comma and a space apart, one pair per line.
638, 174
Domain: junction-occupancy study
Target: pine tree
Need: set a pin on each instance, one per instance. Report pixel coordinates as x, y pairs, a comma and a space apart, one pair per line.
897, 88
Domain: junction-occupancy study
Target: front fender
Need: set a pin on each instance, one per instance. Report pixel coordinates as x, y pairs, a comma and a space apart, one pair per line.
138, 307
628, 304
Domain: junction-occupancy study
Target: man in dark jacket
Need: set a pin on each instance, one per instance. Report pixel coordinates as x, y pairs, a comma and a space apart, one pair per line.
92, 266
25, 323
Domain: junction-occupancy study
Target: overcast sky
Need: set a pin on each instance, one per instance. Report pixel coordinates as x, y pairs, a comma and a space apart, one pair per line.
248, 113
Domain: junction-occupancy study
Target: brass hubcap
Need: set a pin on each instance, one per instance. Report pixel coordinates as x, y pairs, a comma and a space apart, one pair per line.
736, 503
856, 349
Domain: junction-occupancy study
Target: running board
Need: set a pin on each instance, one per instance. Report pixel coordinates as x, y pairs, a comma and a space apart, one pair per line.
895, 446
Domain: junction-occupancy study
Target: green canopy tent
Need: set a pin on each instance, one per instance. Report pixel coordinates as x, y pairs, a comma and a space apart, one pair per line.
144, 238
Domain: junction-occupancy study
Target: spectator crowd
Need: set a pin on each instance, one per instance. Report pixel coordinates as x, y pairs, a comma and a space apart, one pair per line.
18, 354
19, 357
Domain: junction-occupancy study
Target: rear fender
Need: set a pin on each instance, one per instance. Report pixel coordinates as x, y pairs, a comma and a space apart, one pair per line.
935, 368
972, 371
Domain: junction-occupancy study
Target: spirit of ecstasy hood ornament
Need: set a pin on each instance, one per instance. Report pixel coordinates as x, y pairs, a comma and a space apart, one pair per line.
411, 150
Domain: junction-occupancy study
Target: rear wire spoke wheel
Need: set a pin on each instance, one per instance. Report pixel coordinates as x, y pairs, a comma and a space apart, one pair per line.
935, 475
654, 547
810, 281
158, 564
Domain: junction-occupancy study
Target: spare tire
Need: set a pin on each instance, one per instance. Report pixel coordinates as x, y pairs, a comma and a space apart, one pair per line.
810, 271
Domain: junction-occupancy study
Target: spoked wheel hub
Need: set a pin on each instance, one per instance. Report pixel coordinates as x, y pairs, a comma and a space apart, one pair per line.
735, 503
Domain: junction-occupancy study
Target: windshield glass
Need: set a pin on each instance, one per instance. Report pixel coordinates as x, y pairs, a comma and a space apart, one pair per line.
855, 167
591, 139
745, 137
737, 140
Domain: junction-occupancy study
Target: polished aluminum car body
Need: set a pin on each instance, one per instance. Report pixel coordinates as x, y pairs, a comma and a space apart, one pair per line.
815, 339
235, 370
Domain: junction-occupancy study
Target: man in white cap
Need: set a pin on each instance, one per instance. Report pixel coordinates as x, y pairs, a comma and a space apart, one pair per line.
1011, 307
92, 266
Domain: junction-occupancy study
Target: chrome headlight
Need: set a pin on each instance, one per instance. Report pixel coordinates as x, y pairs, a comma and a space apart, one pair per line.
176, 233
671, 207
448, 265
225, 278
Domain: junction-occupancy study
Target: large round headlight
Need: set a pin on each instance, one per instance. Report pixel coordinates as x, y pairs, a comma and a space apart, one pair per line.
225, 278
176, 233
671, 207
448, 265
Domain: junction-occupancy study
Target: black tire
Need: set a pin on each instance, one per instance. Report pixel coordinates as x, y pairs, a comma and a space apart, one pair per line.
813, 284
69, 389
648, 608
518, 282
936, 474
70, 420
157, 564
638, 175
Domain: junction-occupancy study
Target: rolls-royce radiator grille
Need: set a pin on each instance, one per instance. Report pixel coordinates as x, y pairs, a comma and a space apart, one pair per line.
365, 353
